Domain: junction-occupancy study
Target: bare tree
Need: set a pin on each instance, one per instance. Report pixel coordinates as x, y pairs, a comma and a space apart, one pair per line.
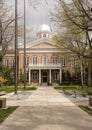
6, 27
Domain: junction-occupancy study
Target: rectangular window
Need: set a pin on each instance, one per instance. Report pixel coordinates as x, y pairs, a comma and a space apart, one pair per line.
26, 61
44, 60
34, 60
55, 75
5, 62
74, 62
13, 63
54, 60
27, 76
35, 75
63, 61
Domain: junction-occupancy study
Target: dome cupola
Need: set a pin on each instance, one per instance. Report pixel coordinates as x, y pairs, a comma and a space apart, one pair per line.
44, 31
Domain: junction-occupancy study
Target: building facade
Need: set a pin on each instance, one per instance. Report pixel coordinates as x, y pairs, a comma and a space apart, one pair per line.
44, 60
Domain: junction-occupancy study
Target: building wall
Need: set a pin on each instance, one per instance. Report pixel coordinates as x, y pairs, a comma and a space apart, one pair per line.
64, 59
68, 66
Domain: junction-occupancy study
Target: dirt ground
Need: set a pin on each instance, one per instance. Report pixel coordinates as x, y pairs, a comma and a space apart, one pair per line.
78, 99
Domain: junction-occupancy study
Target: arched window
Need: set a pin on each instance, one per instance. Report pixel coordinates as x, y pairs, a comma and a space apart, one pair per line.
44, 60
54, 60
34, 60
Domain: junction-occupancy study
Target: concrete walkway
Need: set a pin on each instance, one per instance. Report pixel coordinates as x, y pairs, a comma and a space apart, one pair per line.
47, 109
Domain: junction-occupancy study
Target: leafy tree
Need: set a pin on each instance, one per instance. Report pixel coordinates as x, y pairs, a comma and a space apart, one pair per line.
21, 78
6, 73
75, 19
66, 77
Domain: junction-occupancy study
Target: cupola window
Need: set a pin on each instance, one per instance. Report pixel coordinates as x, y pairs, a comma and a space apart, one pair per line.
44, 35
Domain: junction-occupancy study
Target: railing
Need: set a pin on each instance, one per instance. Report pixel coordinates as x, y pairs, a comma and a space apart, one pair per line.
45, 65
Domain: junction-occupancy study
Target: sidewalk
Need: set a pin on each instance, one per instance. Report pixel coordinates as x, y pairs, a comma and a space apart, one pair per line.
47, 109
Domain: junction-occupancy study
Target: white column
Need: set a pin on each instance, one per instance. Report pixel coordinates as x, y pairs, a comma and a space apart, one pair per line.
60, 76
29, 76
39, 77
50, 76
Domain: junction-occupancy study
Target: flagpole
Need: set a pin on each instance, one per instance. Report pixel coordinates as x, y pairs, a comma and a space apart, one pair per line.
24, 44
16, 47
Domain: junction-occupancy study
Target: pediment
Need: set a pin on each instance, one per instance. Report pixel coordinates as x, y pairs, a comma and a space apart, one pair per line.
44, 43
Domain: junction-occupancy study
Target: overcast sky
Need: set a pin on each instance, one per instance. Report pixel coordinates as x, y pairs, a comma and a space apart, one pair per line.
36, 17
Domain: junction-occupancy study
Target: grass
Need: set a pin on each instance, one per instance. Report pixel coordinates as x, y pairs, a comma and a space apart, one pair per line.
5, 113
9, 89
75, 88
86, 109
66, 87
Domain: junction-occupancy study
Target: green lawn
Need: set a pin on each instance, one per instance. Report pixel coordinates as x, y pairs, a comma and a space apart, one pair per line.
85, 89
86, 109
5, 113
9, 89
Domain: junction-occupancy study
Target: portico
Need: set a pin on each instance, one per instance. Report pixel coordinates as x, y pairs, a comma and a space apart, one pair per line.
48, 74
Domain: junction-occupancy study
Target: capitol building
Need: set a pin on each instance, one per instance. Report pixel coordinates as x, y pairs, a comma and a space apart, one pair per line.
44, 61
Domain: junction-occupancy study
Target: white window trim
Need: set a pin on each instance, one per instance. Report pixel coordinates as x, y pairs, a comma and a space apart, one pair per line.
34, 60
45, 60
13, 63
27, 76
64, 62
74, 62
55, 75
27, 61
54, 60
5, 62
35, 75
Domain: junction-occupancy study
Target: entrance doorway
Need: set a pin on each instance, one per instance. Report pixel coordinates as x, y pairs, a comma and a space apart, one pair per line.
45, 76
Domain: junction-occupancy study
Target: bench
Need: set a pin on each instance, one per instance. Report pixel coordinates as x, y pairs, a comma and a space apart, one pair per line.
2, 93
2, 103
90, 98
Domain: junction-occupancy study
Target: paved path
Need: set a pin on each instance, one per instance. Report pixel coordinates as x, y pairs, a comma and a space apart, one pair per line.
47, 109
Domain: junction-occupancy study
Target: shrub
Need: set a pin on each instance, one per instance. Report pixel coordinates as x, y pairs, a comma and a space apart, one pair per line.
2, 80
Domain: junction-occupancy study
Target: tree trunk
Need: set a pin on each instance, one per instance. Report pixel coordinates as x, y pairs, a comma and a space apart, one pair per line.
82, 77
89, 76
90, 101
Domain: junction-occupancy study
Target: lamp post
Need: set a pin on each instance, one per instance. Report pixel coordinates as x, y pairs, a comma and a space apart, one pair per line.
24, 44
16, 46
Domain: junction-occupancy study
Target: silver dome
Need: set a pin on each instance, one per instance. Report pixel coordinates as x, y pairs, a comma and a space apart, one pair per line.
44, 27
44, 31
